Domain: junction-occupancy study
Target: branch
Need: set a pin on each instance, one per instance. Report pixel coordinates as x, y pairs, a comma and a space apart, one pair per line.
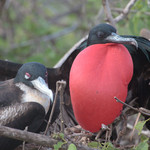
2, 3
144, 132
27, 136
35, 138
125, 11
136, 121
53, 108
141, 110
108, 12
120, 10
62, 85
123, 15
46, 38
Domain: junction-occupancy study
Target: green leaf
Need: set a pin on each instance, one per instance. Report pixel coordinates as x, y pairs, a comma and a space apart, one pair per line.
58, 145
142, 146
72, 147
94, 144
61, 135
108, 146
143, 138
140, 125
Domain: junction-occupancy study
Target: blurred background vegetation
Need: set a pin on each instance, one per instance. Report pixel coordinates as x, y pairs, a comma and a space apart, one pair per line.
44, 30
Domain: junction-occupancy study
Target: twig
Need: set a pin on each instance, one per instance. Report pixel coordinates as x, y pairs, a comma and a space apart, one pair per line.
27, 136
144, 132
122, 129
103, 128
98, 135
144, 110
45, 38
108, 12
79, 134
109, 133
75, 10
23, 147
53, 108
137, 119
123, 15
62, 85
35, 138
120, 10
2, 3
135, 109
125, 11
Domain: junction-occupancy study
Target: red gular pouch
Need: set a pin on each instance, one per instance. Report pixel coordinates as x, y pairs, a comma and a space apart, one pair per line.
98, 74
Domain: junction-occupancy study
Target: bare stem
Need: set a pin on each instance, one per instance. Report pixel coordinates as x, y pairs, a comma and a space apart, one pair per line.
135, 109
126, 11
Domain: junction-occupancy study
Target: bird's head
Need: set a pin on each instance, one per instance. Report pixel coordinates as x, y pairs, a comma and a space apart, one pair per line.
34, 75
105, 33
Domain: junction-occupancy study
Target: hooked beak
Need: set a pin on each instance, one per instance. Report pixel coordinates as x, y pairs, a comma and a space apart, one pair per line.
41, 85
115, 38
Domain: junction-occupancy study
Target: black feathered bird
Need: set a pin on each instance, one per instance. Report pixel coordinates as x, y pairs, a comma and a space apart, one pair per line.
24, 101
102, 33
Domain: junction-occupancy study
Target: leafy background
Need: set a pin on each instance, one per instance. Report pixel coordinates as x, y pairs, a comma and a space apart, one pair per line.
44, 30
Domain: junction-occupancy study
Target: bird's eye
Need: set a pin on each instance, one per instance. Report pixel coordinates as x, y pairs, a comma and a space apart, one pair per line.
46, 74
100, 34
27, 75
46, 77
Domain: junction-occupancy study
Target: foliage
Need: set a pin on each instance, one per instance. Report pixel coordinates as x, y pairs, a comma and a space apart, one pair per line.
143, 145
140, 126
102, 146
59, 145
72, 147
33, 30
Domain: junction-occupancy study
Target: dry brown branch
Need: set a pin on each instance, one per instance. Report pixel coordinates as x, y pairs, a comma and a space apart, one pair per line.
137, 119
34, 138
108, 12
123, 15
143, 111
75, 10
62, 85
125, 11
120, 10
45, 38
144, 132
23, 145
27, 136
2, 3
52, 111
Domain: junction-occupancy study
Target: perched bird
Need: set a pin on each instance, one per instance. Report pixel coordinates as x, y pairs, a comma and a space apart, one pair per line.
98, 35
98, 74
24, 101
94, 79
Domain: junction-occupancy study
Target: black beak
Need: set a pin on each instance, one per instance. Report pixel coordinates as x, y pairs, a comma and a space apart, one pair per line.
115, 38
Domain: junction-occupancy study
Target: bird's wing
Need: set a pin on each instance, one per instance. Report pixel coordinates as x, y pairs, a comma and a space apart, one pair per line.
19, 116
8, 69
9, 93
143, 46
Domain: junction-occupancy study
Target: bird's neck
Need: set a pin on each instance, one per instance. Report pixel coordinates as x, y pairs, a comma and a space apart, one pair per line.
33, 95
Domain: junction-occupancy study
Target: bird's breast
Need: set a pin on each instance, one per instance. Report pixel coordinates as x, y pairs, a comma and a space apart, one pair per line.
99, 73
33, 95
